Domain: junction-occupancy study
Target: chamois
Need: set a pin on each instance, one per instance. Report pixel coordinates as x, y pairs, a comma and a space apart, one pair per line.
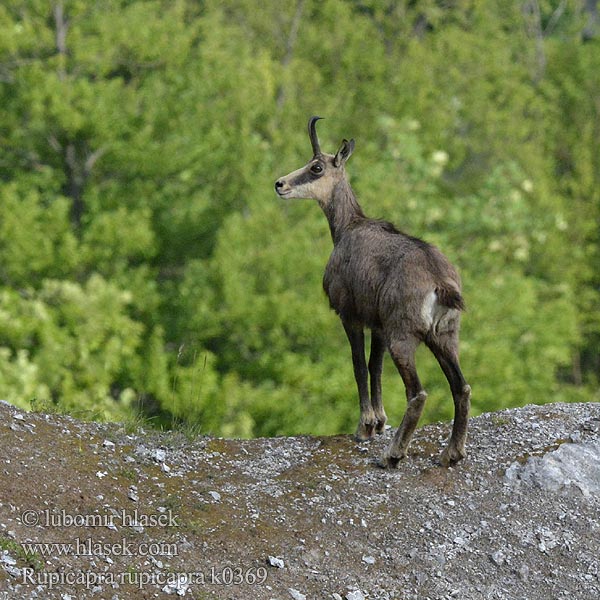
401, 288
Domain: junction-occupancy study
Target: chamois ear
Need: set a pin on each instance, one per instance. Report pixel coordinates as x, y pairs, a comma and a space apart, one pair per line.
344, 153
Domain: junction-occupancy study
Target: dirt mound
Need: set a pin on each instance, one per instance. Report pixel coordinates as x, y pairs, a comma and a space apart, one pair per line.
91, 510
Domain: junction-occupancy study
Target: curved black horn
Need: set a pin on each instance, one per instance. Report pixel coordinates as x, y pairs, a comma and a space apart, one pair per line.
312, 134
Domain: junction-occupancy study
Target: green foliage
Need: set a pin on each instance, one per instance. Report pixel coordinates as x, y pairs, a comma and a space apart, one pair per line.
68, 343
147, 270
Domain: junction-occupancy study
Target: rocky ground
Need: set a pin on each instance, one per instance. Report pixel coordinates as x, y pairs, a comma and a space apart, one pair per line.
92, 510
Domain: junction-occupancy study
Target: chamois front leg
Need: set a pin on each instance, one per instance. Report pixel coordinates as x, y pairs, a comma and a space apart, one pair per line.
375, 370
367, 422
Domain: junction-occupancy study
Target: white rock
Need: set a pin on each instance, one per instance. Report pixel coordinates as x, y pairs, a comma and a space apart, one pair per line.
159, 455
569, 466
13, 571
179, 587
274, 561
132, 494
7, 559
296, 595
523, 572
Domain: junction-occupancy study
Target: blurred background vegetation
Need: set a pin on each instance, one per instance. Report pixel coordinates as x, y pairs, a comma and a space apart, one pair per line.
148, 271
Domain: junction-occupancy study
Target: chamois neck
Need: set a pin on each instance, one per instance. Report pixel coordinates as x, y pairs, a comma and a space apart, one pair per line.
342, 210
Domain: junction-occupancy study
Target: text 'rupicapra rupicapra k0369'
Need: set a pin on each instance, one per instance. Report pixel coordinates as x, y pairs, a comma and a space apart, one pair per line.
401, 288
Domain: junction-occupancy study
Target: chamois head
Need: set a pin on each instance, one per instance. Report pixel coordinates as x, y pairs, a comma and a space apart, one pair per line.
319, 177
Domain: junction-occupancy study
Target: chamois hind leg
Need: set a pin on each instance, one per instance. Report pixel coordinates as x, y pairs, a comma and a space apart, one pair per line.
356, 337
403, 355
375, 370
445, 349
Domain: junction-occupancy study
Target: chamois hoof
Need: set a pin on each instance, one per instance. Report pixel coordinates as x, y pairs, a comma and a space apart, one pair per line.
364, 431
389, 461
452, 454
380, 425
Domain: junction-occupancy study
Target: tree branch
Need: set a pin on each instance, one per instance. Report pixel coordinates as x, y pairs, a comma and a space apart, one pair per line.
62, 27
593, 25
533, 23
289, 47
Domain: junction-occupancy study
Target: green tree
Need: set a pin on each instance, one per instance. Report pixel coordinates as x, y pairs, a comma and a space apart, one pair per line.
146, 264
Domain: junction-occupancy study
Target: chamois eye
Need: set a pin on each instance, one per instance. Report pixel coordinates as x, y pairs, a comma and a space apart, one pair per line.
316, 168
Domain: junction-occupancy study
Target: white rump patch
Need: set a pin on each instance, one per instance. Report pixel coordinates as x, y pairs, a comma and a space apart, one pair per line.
429, 309
434, 315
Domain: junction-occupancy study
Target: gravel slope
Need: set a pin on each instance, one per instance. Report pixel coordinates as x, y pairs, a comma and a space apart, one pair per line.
301, 517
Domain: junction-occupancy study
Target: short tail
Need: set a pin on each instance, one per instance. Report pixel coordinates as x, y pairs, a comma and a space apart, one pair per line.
451, 297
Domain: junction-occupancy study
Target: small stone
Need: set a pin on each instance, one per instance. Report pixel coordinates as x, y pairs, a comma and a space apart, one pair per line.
137, 527
215, 496
497, 557
575, 437
108, 444
179, 587
101, 474
523, 572
296, 595
439, 558
7, 559
355, 595
13, 571
159, 455
370, 560
185, 545
274, 561
132, 493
